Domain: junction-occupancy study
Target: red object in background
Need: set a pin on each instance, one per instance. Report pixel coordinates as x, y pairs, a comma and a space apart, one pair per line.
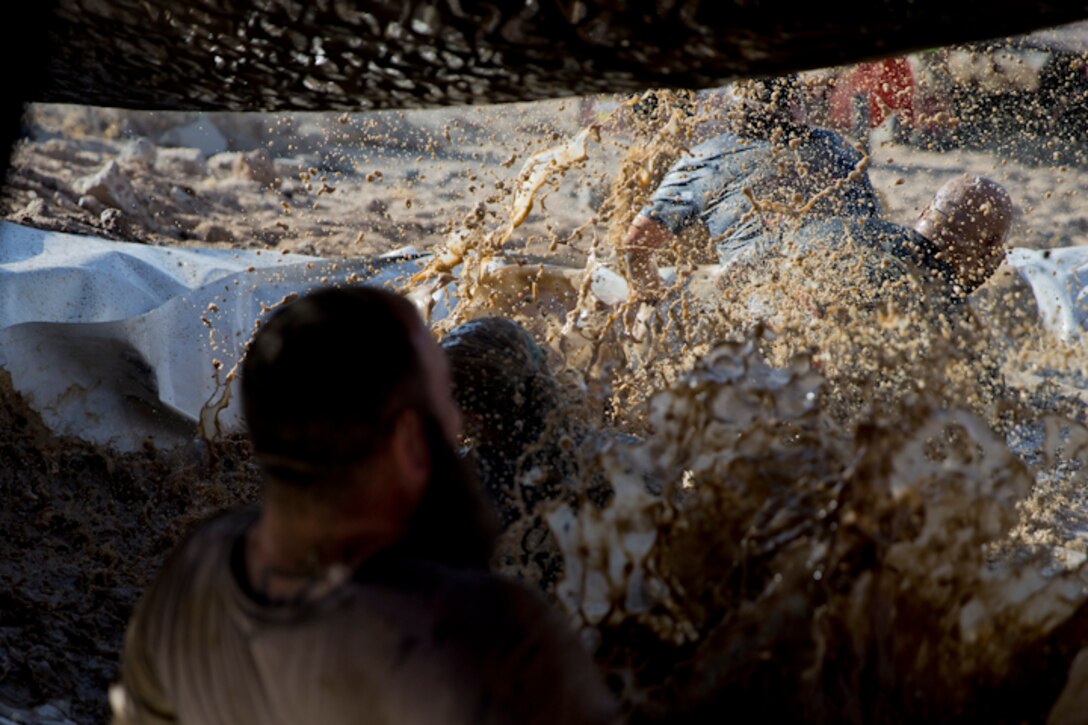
887, 84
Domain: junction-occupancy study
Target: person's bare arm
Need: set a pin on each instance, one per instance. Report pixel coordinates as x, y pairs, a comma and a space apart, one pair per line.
644, 237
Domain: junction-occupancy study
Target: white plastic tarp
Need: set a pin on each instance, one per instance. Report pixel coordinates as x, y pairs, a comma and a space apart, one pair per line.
1059, 281
124, 344
54, 277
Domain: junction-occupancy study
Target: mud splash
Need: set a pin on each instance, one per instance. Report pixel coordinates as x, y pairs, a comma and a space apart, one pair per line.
793, 568
825, 519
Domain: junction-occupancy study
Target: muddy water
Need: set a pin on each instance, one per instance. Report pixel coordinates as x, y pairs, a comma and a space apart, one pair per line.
847, 513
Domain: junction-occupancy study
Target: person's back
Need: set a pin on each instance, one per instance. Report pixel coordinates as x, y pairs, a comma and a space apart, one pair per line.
886, 253
359, 590
744, 185
399, 640
740, 187
954, 247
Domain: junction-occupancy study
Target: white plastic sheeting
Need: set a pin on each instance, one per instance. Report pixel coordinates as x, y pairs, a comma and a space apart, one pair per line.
53, 277
125, 344
1059, 281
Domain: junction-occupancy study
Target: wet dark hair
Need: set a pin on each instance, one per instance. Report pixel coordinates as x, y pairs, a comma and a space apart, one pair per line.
763, 109
313, 401
500, 379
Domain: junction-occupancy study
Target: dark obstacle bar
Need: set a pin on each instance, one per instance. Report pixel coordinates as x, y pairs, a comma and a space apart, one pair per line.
247, 55
269, 55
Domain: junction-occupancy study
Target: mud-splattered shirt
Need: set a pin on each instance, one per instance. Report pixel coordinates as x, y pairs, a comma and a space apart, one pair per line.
882, 237
739, 188
401, 641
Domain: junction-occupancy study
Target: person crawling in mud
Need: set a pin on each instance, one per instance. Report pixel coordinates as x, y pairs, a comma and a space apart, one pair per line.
741, 185
358, 591
513, 428
772, 182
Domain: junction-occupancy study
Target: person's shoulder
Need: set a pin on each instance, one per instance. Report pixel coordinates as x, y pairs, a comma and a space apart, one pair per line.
494, 613
889, 230
203, 552
824, 229
902, 242
161, 624
506, 643
861, 231
481, 597
537, 669
861, 228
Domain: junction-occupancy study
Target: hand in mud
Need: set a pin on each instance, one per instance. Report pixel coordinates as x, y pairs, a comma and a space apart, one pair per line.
643, 280
645, 291
642, 239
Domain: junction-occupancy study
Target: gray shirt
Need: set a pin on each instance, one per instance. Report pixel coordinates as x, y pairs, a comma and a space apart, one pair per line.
402, 640
895, 250
711, 185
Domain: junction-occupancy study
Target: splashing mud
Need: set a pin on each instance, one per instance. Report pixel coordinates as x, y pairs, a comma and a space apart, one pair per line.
825, 519
792, 568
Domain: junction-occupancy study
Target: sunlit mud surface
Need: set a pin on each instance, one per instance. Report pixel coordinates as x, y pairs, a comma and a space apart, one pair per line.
780, 492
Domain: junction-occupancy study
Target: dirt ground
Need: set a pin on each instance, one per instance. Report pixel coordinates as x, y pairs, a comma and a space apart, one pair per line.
84, 530
353, 185
321, 184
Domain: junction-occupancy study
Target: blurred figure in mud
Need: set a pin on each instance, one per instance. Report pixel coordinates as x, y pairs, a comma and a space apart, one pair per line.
771, 185
506, 395
358, 591
761, 175
515, 433
882, 303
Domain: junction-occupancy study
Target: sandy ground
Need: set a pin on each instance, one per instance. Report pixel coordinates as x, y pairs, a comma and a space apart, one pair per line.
1050, 201
344, 185
83, 533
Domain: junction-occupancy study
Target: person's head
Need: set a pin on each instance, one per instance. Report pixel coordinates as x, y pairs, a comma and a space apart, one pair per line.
654, 108
968, 222
347, 399
764, 109
500, 382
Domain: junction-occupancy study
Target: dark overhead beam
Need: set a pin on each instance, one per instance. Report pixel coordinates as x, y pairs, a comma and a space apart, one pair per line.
357, 54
